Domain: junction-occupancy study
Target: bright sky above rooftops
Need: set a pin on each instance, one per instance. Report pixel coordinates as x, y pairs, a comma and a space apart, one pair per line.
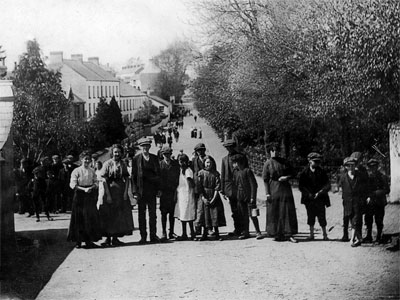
113, 30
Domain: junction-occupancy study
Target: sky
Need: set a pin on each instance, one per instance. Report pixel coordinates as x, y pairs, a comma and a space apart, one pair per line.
113, 30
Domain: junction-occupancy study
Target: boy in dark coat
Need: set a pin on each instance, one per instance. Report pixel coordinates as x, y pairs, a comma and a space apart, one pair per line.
354, 186
314, 185
376, 201
246, 195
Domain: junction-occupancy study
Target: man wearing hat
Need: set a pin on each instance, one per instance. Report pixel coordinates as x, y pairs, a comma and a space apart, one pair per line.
314, 185
145, 186
198, 164
169, 173
56, 166
376, 201
354, 186
228, 187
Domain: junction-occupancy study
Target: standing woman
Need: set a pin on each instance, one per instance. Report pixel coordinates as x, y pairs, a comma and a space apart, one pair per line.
115, 212
85, 224
185, 209
281, 211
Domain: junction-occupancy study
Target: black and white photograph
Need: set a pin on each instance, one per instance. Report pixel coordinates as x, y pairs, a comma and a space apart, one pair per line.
199, 149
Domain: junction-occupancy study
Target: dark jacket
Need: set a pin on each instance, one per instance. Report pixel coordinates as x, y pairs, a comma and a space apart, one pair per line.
378, 188
311, 183
227, 174
354, 192
137, 173
197, 165
169, 175
246, 185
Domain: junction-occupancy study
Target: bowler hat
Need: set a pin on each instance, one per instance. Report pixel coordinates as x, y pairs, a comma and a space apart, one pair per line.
314, 156
349, 160
199, 146
144, 141
373, 162
229, 143
166, 150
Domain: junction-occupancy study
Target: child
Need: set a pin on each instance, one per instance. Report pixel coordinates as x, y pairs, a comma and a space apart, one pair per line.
209, 183
37, 187
185, 208
376, 201
52, 190
354, 193
246, 195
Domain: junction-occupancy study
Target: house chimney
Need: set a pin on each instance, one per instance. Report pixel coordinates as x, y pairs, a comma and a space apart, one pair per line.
94, 60
56, 57
77, 57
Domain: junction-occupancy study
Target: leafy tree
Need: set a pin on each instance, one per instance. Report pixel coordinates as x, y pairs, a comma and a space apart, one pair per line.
173, 63
41, 109
107, 124
146, 113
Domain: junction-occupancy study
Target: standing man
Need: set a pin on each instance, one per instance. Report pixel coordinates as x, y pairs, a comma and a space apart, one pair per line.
228, 187
56, 166
145, 186
314, 185
376, 201
169, 169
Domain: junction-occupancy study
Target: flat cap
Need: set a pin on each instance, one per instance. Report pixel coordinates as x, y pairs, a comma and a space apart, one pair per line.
349, 160
144, 141
373, 162
55, 156
229, 143
199, 146
36, 170
166, 149
314, 156
44, 158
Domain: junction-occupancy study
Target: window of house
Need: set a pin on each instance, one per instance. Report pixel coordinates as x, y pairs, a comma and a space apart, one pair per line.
89, 92
98, 90
90, 111
117, 91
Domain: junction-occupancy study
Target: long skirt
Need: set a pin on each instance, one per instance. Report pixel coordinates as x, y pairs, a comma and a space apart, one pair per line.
116, 217
85, 223
281, 212
212, 215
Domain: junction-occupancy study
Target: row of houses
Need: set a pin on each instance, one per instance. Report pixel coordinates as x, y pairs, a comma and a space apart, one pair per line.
86, 82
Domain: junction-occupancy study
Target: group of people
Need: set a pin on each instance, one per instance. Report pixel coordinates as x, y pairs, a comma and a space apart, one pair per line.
44, 187
167, 135
363, 193
196, 133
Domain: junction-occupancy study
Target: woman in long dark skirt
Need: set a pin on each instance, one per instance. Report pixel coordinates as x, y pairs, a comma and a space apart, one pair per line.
85, 223
281, 211
116, 212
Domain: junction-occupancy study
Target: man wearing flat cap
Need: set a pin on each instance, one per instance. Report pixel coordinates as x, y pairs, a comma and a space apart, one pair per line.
145, 186
198, 164
314, 185
354, 186
64, 176
169, 173
228, 187
376, 201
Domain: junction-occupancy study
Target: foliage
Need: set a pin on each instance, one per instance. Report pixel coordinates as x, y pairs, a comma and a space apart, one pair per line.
317, 75
173, 63
41, 110
148, 113
107, 125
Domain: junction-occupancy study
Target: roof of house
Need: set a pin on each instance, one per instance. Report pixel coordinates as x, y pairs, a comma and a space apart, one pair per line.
160, 100
125, 90
100, 71
77, 99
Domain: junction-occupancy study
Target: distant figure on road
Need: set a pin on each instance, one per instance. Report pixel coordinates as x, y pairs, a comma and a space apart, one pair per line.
314, 185
115, 213
84, 225
146, 186
200, 134
281, 211
195, 118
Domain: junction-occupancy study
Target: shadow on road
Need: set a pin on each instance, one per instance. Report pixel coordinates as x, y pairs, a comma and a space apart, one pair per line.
39, 253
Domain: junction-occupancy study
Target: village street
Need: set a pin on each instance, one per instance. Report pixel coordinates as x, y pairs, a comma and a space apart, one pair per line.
228, 269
